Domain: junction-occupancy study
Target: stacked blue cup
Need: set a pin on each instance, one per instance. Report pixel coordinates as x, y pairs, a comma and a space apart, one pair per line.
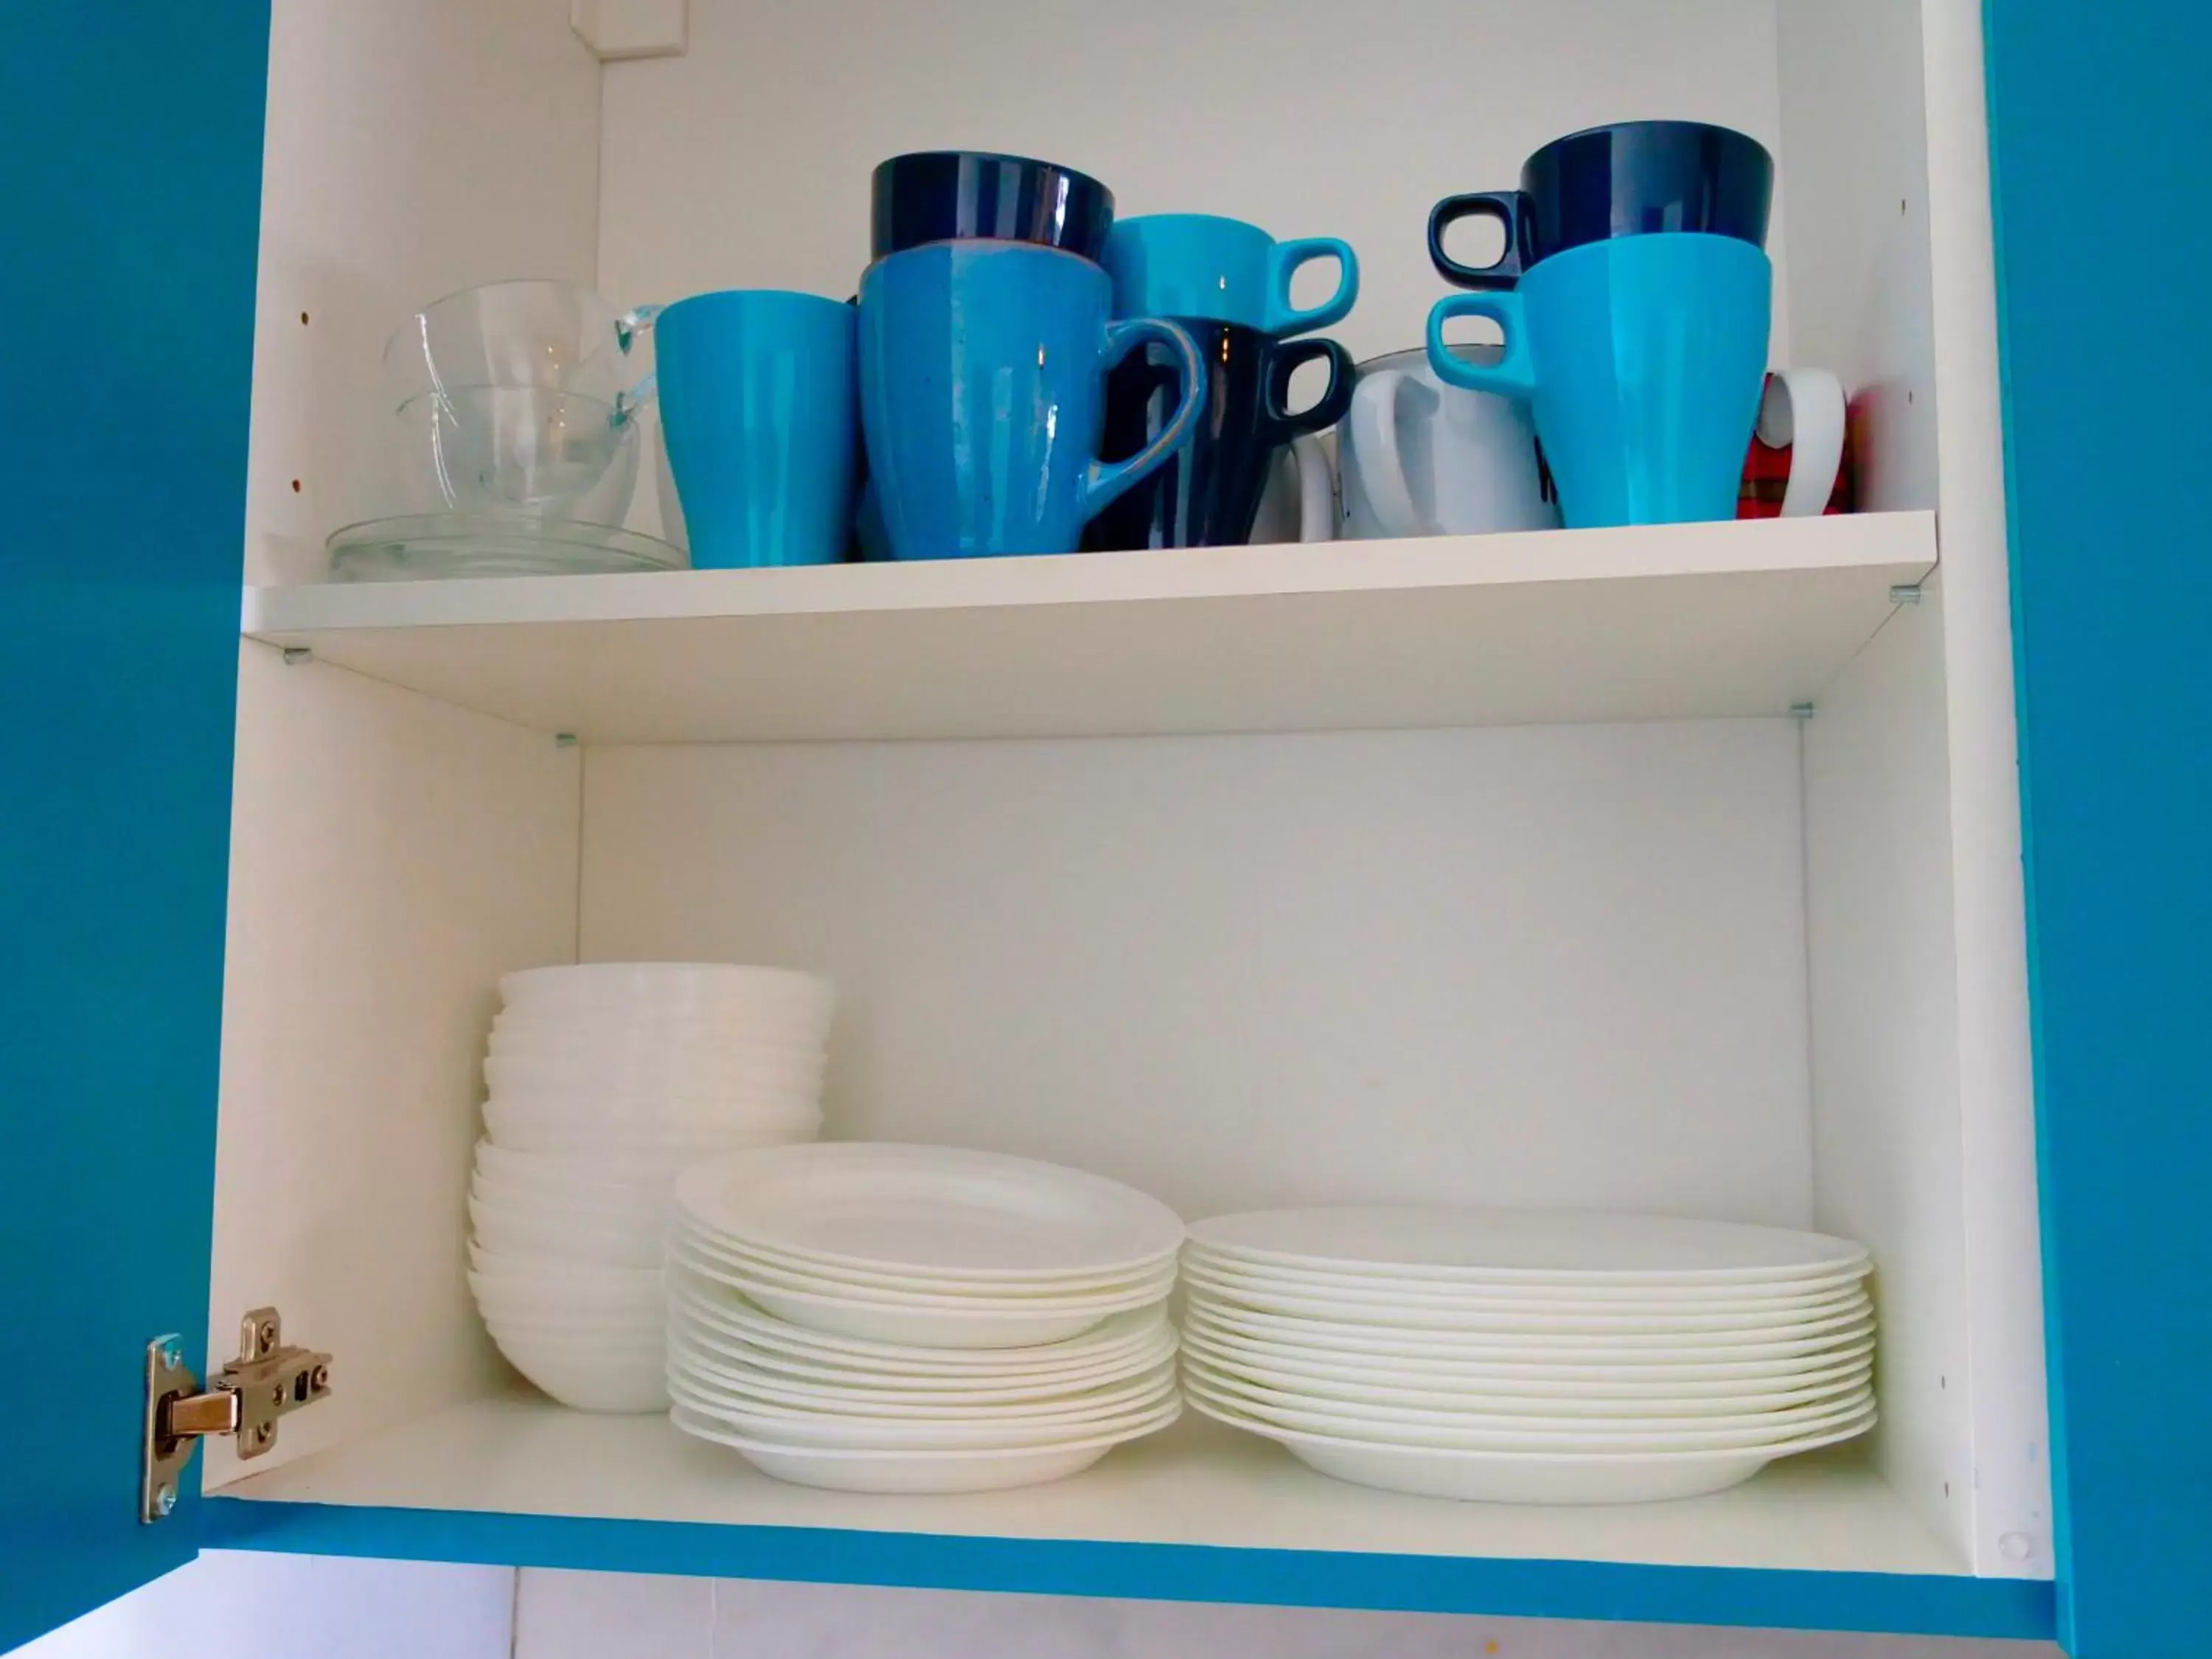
985, 333
1634, 293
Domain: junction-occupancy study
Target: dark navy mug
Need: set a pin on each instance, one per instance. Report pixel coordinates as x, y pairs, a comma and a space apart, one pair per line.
1628, 180
959, 195
1209, 495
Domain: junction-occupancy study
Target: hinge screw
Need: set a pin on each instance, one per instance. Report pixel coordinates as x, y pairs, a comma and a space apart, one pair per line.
172, 1357
165, 1499
1905, 593
264, 1336
296, 654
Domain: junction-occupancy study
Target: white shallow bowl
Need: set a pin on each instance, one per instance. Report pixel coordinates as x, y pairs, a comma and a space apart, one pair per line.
646, 1342
629, 990
588, 1171
1470, 1244
1636, 1348
673, 1076
713, 1307
622, 1207
650, 1106
784, 1370
1470, 1318
742, 1382
941, 1212
915, 1472
794, 1268
781, 1426
650, 1038
542, 1132
1572, 1439
1528, 1477
1026, 1325
1571, 1396
706, 1256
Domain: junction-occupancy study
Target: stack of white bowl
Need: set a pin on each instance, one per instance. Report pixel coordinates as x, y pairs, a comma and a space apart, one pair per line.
889, 1318
1528, 1355
607, 1081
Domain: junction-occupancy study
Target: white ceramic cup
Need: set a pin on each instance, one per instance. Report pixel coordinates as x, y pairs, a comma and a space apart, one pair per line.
1418, 458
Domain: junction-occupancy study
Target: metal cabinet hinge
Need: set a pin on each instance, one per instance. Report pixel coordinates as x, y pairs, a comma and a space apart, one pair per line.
265, 1382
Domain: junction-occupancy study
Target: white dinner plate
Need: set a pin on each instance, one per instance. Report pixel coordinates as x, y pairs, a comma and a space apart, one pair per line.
916, 1472
1401, 1421
1115, 1337
942, 1211
1569, 1247
801, 1428
797, 1274
1528, 1477
784, 1371
1383, 1308
1633, 1347
1758, 1296
1683, 1388
1441, 1438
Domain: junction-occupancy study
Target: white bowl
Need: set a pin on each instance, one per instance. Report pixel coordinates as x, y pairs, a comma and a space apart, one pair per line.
597, 1206
650, 1108
640, 1343
522, 1036
766, 1390
591, 1385
556, 1240
670, 1075
915, 1472
621, 1172
667, 986
541, 1132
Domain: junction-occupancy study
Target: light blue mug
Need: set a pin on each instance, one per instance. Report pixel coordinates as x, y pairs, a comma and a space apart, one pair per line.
1643, 358
982, 393
759, 405
1222, 271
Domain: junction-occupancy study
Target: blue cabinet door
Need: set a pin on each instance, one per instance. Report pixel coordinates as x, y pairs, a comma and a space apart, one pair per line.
129, 200
2102, 145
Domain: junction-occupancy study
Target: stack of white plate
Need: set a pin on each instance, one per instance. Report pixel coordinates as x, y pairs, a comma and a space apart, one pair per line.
606, 1081
1528, 1355
889, 1318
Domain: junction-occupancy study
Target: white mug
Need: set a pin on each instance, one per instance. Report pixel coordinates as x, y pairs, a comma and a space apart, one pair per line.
1299, 504
1803, 412
1418, 458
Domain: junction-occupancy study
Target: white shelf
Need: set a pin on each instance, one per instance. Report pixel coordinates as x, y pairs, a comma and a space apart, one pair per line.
1674, 622
1198, 1484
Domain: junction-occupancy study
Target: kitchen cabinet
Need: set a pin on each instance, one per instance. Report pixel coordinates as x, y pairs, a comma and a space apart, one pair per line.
1674, 869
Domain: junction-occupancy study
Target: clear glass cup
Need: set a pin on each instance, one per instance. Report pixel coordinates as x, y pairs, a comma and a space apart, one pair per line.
518, 450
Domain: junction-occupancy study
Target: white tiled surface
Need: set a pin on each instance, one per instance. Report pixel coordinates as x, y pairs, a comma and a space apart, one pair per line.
575, 1615
229, 1605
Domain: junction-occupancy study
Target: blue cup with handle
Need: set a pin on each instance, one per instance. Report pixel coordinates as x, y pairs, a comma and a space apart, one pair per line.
1629, 179
1642, 359
760, 409
947, 194
1222, 271
983, 372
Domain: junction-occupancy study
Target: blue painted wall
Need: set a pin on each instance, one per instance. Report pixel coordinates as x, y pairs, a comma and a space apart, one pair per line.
130, 197
2101, 137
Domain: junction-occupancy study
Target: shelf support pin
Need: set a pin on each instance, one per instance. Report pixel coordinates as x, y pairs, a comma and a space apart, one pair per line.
1905, 593
1801, 711
296, 654
564, 739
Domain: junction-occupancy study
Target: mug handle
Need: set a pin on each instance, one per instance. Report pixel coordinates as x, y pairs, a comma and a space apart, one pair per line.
1316, 489
1509, 207
1103, 482
1375, 440
1513, 375
1802, 410
1283, 262
1284, 361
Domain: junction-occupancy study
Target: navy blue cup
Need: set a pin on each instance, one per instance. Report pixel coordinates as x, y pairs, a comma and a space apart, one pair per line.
1209, 495
1631, 179
960, 195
